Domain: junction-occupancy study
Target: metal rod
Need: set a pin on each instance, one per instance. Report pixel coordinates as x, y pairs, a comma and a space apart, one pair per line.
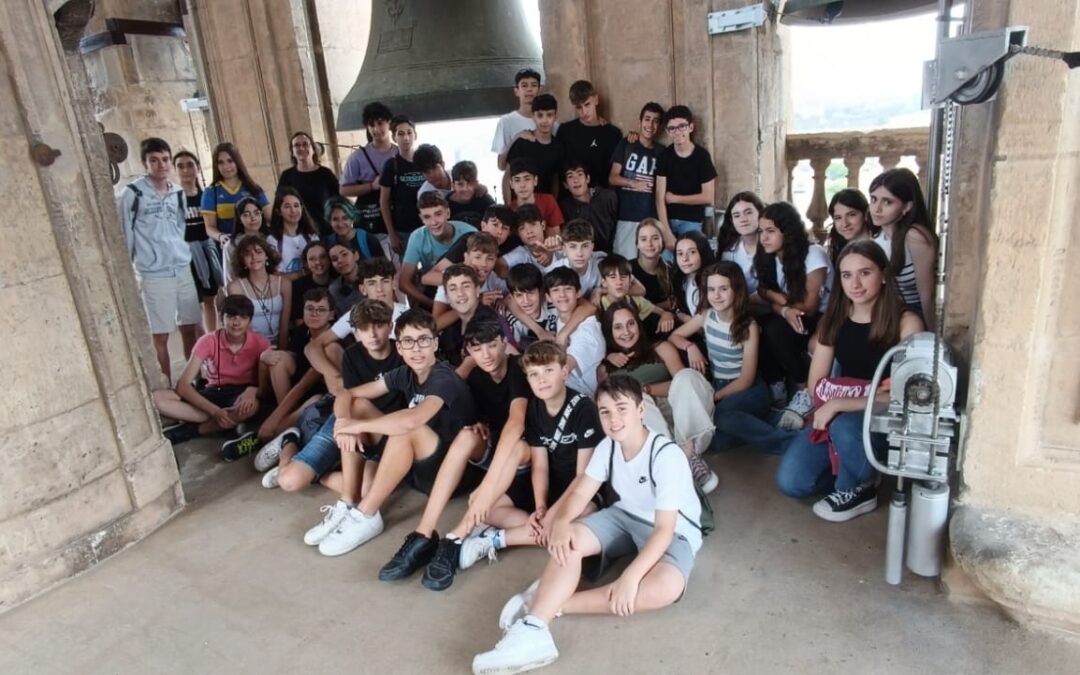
937, 120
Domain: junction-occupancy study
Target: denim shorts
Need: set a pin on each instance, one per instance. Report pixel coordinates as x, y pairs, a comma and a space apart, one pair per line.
622, 534
319, 451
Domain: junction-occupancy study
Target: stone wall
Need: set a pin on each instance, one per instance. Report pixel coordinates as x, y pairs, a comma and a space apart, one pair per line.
1014, 314
86, 470
137, 87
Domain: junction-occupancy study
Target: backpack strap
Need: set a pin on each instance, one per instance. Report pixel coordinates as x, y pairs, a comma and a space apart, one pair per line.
362, 243
653, 452
565, 416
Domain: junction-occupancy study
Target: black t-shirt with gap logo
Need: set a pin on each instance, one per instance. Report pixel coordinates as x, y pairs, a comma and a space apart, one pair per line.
638, 163
404, 181
685, 176
493, 398
458, 409
592, 146
547, 160
359, 367
581, 430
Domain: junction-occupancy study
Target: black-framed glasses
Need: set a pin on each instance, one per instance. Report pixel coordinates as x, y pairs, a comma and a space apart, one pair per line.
423, 342
314, 309
683, 126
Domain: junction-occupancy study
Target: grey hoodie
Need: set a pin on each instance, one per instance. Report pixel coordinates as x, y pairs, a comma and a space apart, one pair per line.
155, 234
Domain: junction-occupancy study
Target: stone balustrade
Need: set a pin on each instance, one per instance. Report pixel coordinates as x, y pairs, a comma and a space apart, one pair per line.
853, 149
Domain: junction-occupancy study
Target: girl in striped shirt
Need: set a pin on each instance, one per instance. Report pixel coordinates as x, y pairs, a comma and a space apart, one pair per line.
721, 395
898, 208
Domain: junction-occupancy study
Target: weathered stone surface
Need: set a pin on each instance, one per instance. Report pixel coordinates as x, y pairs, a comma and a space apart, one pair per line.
1030, 567
75, 332
53, 456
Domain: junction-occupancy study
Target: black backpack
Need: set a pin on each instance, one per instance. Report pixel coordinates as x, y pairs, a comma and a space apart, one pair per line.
708, 518
135, 207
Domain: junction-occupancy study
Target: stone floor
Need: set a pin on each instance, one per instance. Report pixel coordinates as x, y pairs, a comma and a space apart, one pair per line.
229, 587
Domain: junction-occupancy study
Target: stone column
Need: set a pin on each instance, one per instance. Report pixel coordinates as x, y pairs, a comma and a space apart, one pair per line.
1015, 313
636, 51
86, 470
260, 71
137, 85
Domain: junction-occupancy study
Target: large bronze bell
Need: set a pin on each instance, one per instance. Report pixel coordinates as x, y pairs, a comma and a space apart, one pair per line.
844, 12
440, 60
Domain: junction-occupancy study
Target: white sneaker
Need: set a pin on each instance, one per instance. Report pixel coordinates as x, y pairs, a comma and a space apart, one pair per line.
794, 416
354, 529
478, 545
269, 453
518, 606
527, 645
269, 479
334, 514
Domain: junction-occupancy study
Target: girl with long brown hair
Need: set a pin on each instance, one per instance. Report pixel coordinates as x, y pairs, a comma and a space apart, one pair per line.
231, 183
860, 324
722, 389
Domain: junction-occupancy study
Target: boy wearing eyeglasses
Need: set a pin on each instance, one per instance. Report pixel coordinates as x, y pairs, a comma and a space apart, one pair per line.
438, 406
685, 178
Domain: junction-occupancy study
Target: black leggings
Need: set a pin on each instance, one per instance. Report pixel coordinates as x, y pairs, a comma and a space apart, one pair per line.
783, 351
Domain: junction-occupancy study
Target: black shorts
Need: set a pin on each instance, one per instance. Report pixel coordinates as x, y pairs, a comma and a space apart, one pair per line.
204, 292
423, 473
223, 396
521, 491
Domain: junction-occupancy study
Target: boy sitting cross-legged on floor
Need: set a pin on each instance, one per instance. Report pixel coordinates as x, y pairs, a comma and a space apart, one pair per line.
561, 429
654, 516
364, 362
493, 444
417, 437
229, 360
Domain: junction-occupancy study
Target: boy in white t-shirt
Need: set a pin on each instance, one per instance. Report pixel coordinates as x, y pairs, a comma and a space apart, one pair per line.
655, 516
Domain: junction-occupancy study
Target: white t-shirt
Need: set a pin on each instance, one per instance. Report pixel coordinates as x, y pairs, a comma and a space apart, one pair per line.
342, 327
522, 254
492, 283
510, 125
426, 186
816, 259
590, 280
674, 484
691, 292
740, 257
587, 347
291, 249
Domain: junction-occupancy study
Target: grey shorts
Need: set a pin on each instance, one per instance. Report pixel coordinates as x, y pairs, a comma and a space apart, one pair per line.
622, 534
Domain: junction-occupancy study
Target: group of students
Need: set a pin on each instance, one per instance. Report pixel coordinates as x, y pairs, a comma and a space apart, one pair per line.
565, 361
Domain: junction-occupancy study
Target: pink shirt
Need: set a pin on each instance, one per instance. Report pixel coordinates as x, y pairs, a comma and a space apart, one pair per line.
222, 366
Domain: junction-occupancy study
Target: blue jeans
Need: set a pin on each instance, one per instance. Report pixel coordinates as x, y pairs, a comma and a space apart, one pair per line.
747, 418
680, 226
805, 469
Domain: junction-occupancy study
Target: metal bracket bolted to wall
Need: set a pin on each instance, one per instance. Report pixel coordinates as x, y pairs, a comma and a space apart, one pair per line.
732, 20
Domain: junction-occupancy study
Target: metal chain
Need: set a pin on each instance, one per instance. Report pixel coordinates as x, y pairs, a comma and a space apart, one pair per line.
947, 160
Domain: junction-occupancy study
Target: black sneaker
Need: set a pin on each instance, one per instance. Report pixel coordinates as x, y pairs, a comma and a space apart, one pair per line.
439, 574
844, 505
179, 433
240, 446
413, 554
